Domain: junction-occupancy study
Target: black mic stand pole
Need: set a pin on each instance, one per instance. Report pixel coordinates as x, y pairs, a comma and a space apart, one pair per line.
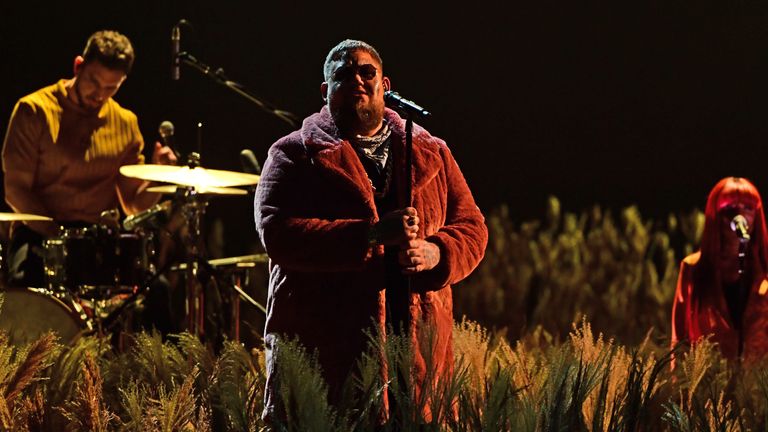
218, 76
744, 287
398, 297
409, 167
742, 254
392, 303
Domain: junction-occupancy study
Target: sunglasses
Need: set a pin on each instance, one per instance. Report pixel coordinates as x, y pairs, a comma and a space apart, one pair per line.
366, 72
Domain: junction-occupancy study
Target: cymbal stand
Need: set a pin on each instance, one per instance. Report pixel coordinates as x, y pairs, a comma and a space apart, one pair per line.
193, 209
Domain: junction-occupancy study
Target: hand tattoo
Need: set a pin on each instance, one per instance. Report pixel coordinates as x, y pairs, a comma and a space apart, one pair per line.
431, 255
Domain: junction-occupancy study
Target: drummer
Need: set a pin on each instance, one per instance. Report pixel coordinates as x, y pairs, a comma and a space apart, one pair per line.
63, 149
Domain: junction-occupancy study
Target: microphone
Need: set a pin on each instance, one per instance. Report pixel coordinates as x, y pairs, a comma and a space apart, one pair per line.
740, 226
393, 100
249, 162
153, 215
166, 131
175, 47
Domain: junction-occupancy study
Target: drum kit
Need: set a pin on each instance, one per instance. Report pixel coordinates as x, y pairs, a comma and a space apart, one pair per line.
95, 274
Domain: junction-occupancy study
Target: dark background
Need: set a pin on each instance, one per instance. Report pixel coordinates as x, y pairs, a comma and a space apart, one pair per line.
615, 103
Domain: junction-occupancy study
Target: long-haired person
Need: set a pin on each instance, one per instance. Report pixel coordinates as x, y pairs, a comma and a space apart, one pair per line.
722, 291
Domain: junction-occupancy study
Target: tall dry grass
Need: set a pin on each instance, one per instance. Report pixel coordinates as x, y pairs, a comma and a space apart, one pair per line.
566, 266
586, 382
568, 332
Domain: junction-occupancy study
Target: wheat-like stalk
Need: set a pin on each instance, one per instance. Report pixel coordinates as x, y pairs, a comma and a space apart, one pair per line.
87, 410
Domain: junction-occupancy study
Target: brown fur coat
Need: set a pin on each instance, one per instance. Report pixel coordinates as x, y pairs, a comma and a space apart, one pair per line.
314, 205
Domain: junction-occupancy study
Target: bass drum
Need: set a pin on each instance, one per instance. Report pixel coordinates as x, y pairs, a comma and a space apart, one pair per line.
28, 313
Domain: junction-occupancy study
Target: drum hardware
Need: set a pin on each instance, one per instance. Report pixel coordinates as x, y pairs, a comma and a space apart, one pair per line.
5, 234
245, 261
236, 268
97, 261
211, 190
231, 265
192, 184
192, 206
110, 218
152, 217
193, 210
109, 321
120, 264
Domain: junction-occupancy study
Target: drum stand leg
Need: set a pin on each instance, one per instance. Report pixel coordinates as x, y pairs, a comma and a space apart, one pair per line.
234, 331
194, 304
193, 210
109, 322
237, 296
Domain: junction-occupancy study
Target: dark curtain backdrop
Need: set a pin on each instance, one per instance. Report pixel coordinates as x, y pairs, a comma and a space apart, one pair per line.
595, 102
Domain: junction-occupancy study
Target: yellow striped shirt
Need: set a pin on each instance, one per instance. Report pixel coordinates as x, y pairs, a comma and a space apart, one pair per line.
62, 161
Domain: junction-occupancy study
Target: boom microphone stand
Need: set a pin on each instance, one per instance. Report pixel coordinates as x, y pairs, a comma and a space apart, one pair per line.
218, 76
398, 299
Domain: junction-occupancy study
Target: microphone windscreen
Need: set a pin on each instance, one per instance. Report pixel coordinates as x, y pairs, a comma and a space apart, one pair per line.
166, 129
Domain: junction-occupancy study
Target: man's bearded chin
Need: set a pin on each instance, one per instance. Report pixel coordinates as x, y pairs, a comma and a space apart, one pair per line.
81, 100
357, 119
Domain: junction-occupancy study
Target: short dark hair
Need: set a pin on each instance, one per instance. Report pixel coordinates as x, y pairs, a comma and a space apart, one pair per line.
345, 46
111, 49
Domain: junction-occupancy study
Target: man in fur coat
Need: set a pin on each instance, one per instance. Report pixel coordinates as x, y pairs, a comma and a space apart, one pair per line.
332, 212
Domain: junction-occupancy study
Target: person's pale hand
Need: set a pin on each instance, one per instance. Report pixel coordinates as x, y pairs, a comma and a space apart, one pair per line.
418, 255
163, 155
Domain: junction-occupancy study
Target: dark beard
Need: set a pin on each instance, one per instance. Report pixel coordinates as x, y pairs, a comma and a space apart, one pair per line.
80, 100
354, 120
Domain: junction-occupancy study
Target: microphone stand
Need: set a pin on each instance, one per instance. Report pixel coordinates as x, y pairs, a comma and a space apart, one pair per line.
218, 76
409, 174
407, 112
398, 297
744, 286
742, 255
193, 208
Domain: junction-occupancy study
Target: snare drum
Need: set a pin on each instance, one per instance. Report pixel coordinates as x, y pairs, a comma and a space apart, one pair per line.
95, 261
28, 313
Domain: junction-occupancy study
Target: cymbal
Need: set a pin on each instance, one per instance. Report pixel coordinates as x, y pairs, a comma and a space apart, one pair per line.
240, 261
245, 261
8, 217
186, 176
211, 190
